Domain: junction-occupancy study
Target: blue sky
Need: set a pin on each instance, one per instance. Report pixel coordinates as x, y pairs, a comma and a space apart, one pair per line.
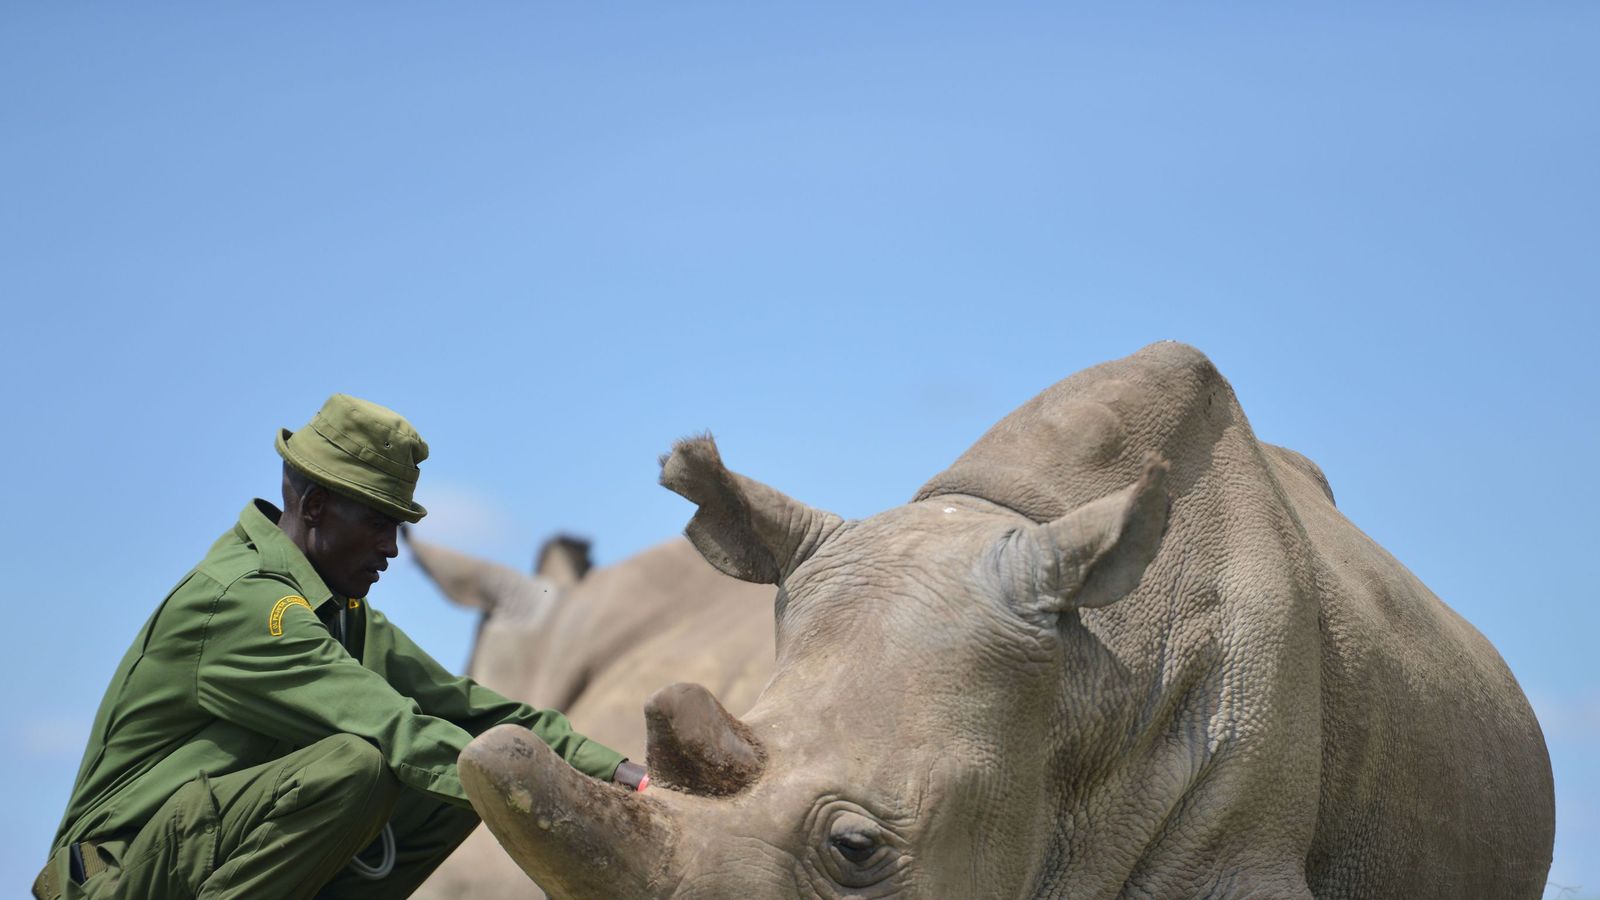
846, 238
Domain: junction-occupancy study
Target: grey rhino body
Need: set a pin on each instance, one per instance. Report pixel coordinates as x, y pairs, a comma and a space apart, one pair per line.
1119, 649
594, 644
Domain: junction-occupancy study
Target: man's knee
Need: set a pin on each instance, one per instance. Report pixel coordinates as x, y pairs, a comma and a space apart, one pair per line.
345, 768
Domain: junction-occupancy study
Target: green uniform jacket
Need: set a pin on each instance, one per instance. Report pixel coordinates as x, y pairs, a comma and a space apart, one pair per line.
241, 664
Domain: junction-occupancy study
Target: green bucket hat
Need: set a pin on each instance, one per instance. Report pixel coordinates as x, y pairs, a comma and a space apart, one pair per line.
362, 450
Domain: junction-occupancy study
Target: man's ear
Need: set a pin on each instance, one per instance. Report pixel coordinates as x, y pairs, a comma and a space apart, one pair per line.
743, 528
314, 504
1096, 554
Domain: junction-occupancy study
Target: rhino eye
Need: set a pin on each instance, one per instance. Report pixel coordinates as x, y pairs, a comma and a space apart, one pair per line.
855, 847
856, 850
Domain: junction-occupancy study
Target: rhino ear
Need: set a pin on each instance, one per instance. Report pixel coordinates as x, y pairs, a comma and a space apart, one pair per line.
564, 559
743, 528
1096, 554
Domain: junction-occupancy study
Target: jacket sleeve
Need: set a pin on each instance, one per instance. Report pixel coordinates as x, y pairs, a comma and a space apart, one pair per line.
471, 706
266, 662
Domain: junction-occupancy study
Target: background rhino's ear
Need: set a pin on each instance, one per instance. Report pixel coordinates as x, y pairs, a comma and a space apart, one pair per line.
743, 527
465, 580
1100, 550
564, 559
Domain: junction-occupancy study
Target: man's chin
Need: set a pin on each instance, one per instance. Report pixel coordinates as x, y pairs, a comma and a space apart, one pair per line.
357, 587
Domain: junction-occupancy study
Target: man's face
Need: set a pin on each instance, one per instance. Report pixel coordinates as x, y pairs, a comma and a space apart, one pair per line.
350, 543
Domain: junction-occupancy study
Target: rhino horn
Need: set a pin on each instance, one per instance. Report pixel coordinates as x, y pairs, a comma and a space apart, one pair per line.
577, 837
695, 746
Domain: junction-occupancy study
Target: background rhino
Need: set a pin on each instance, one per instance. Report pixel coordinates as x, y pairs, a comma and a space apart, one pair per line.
1066, 669
594, 644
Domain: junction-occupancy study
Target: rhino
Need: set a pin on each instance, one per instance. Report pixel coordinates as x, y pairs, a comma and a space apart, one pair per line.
594, 642
1119, 648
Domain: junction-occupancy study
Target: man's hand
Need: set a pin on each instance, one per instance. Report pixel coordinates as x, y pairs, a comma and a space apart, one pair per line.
631, 775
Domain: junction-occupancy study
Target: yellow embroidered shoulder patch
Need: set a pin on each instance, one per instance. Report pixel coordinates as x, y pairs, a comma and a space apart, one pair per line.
275, 621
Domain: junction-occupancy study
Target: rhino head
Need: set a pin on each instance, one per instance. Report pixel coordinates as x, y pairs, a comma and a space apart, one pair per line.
912, 738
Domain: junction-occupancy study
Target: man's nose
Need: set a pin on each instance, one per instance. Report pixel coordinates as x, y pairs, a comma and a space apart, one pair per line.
391, 547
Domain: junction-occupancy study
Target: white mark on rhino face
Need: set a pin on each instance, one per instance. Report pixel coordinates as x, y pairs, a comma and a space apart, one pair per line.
519, 799
949, 509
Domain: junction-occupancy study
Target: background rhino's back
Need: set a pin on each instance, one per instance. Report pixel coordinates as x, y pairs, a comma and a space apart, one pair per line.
616, 608
1435, 776
625, 631
727, 645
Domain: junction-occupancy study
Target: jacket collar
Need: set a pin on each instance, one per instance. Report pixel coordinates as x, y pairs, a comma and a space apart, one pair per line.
279, 555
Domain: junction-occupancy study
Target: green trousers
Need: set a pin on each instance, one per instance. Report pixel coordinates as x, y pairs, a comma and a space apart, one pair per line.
288, 828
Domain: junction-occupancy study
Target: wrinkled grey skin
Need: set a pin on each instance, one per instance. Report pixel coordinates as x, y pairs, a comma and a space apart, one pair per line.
1119, 649
595, 644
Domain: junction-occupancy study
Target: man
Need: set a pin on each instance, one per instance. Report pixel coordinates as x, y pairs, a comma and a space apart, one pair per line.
267, 723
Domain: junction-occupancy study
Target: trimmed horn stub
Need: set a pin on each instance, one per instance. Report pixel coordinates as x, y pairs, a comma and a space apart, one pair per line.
576, 836
696, 746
